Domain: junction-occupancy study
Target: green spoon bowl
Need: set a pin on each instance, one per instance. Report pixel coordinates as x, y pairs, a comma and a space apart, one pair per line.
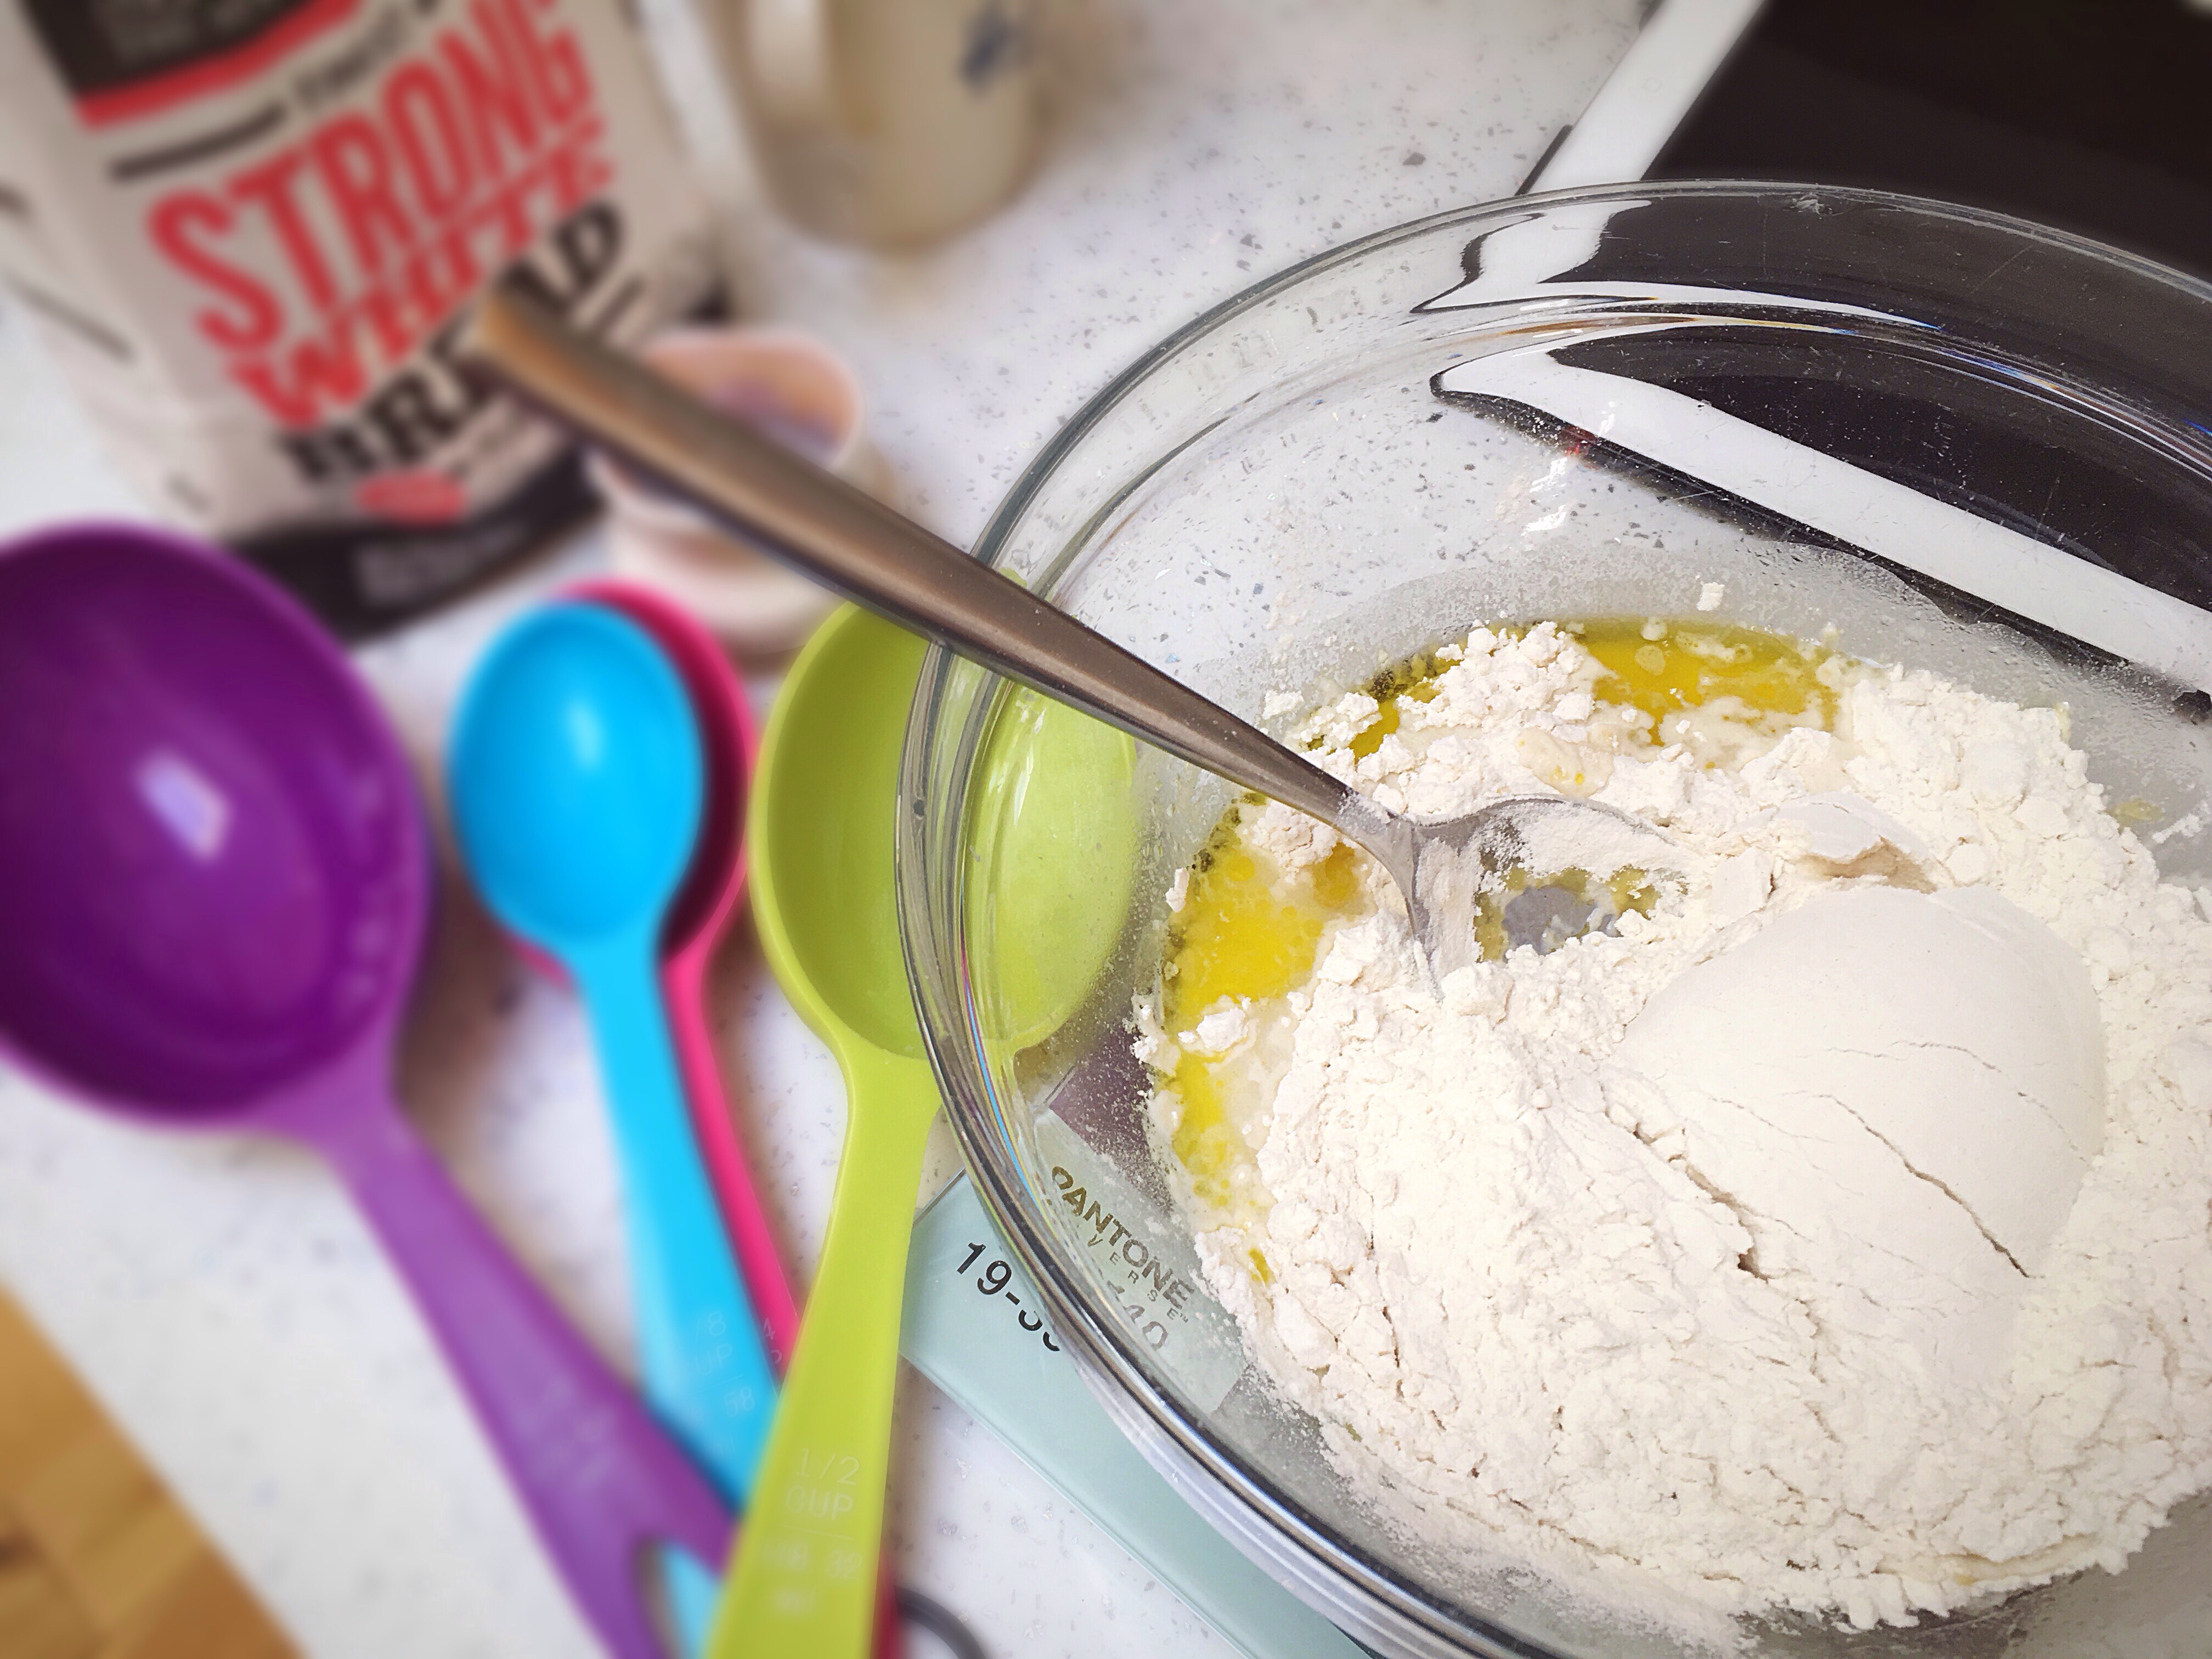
822, 809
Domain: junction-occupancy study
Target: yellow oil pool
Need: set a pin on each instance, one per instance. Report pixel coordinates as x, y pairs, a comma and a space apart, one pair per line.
1693, 664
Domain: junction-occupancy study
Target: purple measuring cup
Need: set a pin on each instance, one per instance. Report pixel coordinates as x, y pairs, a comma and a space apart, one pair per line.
214, 880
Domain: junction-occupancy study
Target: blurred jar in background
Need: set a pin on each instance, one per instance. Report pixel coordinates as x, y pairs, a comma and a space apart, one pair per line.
890, 123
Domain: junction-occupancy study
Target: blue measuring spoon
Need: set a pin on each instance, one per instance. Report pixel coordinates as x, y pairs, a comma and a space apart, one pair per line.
576, 780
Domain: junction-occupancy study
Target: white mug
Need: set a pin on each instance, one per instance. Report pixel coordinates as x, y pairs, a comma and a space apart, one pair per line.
886, 122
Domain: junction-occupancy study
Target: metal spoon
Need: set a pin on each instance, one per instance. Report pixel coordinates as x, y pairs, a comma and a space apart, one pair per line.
866, 551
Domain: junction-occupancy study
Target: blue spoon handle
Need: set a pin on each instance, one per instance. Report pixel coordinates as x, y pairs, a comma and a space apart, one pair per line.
707, 1371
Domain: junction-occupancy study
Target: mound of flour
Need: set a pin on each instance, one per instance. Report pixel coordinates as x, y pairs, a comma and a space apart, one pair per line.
1531, 1271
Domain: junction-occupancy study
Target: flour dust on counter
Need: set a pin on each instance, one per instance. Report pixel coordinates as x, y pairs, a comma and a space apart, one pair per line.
1826, 1233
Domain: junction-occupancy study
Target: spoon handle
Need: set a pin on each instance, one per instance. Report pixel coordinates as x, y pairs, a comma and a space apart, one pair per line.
882, 559
801, 1585
729, 1170
707, 1369
598, 1477
758, 1259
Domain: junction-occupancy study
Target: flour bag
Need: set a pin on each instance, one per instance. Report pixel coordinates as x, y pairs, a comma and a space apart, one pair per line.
249, 228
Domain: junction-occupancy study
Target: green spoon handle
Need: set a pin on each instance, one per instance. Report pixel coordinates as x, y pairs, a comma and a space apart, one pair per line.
802, 1585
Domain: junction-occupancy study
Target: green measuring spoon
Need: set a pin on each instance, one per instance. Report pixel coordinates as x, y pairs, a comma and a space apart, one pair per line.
823, 793
824, 796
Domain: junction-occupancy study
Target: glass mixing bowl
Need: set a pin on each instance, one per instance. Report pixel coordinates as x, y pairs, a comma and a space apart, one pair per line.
1962, 442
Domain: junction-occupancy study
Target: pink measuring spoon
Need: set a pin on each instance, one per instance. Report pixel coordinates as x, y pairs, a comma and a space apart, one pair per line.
701, 912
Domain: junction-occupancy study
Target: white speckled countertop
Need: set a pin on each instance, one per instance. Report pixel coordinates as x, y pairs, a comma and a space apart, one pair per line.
220, 1295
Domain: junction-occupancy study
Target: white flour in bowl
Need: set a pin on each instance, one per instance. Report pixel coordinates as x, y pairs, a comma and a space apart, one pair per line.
1837, 1238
